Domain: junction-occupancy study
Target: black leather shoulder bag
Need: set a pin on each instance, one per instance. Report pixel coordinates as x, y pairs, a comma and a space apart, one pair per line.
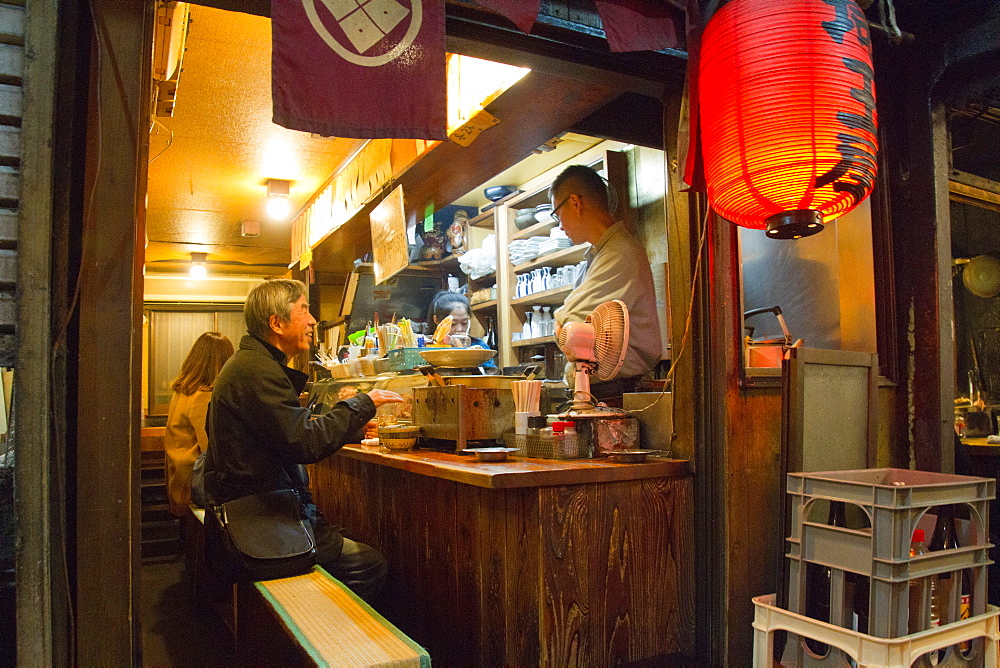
268, 534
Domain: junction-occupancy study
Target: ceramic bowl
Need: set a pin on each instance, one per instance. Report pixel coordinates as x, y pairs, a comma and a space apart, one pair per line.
493, 193
398, 436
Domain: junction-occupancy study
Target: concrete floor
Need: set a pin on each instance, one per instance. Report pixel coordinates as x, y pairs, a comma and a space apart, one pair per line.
174, 633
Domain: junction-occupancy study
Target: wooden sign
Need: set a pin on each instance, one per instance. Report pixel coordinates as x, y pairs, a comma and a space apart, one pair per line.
388, 223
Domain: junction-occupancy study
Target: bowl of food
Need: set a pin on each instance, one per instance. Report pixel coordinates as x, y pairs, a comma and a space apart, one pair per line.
457, 357
489, 454
398, 436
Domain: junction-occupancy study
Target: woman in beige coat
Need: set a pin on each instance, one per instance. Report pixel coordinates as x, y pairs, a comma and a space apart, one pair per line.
185, 437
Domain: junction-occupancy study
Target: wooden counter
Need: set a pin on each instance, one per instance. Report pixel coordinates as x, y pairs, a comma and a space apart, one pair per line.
979, 446
515, 471
524, 562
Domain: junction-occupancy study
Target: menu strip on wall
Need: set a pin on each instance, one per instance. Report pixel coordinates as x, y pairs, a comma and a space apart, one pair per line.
388, 224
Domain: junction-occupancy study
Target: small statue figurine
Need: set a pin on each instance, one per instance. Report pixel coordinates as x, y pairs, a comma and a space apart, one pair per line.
433, 248
456, 232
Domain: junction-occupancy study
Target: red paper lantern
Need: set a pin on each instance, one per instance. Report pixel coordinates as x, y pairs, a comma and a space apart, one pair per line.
788, 120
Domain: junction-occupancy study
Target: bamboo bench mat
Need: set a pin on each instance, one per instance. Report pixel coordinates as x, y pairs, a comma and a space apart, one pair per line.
335, 627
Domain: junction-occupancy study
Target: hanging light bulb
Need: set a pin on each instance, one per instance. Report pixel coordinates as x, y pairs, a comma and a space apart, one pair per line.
278, 206
198, 268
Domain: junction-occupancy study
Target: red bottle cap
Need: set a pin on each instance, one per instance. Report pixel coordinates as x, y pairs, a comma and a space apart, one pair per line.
561, 426
918, 535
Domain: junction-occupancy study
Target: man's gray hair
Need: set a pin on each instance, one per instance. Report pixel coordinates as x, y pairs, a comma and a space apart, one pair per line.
272, 297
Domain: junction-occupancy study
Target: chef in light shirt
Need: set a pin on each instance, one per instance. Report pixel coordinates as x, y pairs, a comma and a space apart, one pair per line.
616, 268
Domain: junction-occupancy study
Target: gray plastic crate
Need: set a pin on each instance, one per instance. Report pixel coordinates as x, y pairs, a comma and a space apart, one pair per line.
893, 500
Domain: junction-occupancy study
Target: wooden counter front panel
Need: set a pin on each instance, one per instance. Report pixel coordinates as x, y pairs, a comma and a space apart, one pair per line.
589, 574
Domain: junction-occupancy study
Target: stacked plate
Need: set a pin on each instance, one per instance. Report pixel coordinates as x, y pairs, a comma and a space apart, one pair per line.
522, 250
554, 243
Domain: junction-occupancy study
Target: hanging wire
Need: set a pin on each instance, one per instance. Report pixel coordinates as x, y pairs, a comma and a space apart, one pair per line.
685, 338
170, 138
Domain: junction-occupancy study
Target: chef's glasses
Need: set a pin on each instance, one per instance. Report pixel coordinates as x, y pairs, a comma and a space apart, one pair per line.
555, 211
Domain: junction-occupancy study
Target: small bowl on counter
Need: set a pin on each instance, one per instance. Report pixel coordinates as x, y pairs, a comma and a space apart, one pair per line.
489, 454
398, 436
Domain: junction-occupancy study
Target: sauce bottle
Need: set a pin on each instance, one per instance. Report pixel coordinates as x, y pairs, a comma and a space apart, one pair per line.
916, 622
942, 585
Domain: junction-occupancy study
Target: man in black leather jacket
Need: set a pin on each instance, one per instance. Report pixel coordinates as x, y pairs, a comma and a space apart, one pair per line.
260, 436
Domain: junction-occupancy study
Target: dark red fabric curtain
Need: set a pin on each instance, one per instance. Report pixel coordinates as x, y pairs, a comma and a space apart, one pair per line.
521, 12
346, 69
639, 25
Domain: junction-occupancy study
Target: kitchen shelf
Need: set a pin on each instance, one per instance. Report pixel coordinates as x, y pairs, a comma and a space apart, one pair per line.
558, 258
485, 279
447, 261
525, 200
547, 297
482, 306
537, 341
535, 230
485, 219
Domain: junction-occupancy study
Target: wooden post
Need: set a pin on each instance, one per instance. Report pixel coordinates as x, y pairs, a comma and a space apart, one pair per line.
42, 596
110, 312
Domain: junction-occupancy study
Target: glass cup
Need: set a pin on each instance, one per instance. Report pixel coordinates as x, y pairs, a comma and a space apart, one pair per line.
460, 340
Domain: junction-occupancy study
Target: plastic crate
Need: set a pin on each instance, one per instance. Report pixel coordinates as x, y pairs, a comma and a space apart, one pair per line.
400, 359
869, 651
893, 500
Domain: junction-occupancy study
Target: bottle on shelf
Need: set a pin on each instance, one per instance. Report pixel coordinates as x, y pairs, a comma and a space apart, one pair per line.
526, 327
942, 585
917, 587
490, 337
537, 326
548, 325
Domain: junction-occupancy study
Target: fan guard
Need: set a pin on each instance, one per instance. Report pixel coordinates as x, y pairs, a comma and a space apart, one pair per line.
610, 320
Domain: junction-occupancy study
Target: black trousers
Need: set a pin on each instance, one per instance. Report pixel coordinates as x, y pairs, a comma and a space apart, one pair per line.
359, 566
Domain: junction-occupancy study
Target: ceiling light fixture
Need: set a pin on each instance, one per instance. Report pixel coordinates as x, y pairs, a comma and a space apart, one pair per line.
198, 269
278, 206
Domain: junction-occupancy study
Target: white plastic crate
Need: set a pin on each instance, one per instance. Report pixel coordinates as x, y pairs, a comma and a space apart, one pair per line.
868, 651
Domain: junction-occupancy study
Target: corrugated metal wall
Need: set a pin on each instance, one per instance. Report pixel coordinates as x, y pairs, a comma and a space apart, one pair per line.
11, 75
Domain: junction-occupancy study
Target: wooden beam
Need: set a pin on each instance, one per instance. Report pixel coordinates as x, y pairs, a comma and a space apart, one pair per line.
974, 190
537, 108
110, 330
42, 596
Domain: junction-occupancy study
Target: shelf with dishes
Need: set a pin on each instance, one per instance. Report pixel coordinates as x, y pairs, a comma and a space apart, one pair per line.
547, 297
536, 341
559, 258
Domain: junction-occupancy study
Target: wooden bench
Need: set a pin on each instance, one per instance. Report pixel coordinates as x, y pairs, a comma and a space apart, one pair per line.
310, 619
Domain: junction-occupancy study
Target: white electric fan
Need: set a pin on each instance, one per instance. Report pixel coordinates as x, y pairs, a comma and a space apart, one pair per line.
596, 347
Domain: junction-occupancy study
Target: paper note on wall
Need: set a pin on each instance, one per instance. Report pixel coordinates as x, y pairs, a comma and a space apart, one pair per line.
466, 133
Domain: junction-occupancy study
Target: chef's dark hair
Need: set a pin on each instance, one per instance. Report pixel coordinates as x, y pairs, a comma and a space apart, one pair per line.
583, 181
443, 303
